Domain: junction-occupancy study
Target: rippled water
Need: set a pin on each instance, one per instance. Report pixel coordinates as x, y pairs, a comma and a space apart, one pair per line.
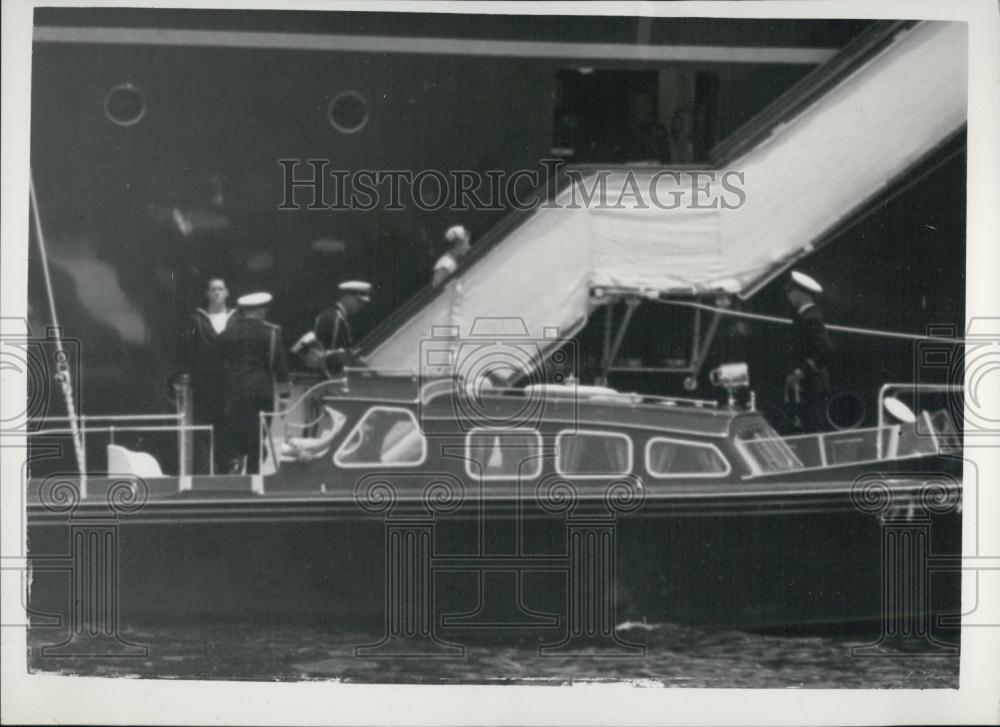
675, 657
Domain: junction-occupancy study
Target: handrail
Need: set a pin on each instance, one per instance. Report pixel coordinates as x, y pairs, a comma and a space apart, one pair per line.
310, 391
118, 417
885, 388
686, 400
442, 387
433, 389
944, 388
112, 429
496, 234
180, 428
821, 439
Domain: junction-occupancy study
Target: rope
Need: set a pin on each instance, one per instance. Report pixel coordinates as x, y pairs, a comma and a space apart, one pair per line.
62, 358
830, 326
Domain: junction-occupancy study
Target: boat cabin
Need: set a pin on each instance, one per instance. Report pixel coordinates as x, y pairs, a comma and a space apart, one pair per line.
523, 435
506, 439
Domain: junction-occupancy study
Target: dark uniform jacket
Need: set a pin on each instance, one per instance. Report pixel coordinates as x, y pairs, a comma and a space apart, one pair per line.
813, 348
202, 354
333, 328
254, 354
204, 361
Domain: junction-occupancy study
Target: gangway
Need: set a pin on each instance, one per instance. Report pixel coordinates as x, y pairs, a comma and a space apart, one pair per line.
776, 190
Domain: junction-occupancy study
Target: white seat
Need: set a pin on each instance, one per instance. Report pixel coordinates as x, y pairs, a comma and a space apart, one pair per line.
124, 461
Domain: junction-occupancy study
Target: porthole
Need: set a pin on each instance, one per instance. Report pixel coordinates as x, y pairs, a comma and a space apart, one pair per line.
348, 112
845, 410
125, 105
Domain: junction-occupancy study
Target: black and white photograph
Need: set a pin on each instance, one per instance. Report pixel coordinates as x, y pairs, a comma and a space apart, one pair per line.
530, 348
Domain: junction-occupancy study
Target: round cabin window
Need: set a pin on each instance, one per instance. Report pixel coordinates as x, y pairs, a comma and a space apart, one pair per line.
125, 105
348, 112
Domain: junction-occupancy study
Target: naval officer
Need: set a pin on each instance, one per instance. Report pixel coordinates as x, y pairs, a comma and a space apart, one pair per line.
813, 351
327, 346
254, 356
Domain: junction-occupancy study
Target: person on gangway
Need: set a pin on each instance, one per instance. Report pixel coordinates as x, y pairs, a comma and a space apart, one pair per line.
460, 240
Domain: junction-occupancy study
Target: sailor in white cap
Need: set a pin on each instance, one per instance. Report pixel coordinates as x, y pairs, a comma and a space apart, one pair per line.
810, 380
459, 239
805, 282
327, 345
254, 355
253, 305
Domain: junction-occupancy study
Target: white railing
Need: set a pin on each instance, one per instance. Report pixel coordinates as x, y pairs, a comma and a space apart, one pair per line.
936, 433
823, 450
451, 386
113, 424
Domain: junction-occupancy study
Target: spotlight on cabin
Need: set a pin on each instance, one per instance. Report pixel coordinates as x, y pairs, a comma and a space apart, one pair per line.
735, 379
899, 410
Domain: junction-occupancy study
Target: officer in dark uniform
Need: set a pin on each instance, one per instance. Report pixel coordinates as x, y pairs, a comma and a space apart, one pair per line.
255, 358
813, 351
203, 363
333, 326
327, 346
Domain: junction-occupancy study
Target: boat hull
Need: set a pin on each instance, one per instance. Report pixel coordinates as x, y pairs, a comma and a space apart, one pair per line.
786, 556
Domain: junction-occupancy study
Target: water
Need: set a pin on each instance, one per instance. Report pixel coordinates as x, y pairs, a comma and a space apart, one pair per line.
675, 656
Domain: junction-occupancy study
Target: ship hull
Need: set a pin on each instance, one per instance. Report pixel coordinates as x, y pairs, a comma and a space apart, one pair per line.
785, 556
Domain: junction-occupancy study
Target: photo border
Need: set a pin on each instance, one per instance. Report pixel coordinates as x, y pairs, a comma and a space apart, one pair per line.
35, 698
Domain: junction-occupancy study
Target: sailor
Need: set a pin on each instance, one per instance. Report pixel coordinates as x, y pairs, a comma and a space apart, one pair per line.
203, 362
254, 355
813, 351
327, 346
459, 239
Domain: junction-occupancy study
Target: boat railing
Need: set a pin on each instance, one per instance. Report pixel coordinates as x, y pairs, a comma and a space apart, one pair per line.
821, 450
680, 401
942, 424
306, 400
123, 460
296, 442
450, 386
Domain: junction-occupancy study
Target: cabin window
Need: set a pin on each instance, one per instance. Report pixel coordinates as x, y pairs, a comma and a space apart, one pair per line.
593, 454
503, 454
678, 458
384, 437
765, 451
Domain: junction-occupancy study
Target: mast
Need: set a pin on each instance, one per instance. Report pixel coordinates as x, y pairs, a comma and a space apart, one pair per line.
62, 358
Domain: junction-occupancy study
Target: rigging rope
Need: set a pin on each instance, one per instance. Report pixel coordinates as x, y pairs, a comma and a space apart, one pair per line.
830, 326
62, 358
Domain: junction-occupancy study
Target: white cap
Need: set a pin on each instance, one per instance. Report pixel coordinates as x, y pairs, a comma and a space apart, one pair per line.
307, 339
358, 287
804, 281
456, 232
253, 300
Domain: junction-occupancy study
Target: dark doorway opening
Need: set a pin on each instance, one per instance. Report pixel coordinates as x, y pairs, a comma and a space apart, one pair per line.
635, 116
